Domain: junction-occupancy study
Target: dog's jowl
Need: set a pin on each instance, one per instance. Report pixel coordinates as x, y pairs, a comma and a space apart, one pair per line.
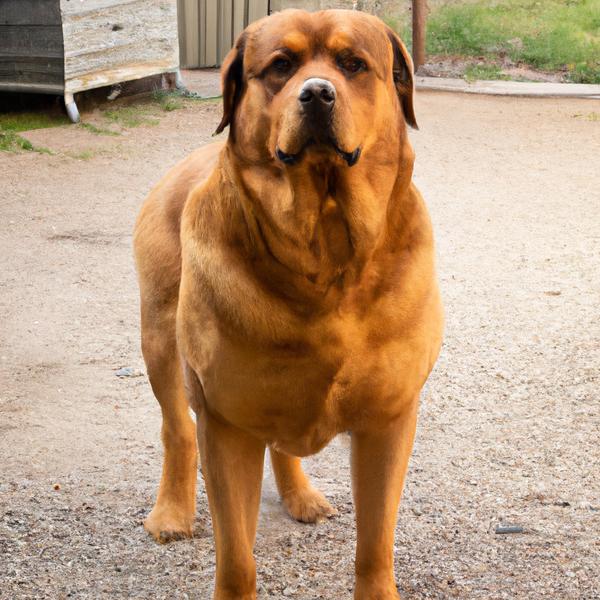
288, 290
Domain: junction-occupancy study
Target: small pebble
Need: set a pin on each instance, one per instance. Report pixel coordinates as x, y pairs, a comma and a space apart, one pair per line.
128, 372
504, 529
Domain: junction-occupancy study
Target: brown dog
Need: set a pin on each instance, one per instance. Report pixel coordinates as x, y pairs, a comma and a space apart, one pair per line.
288, 290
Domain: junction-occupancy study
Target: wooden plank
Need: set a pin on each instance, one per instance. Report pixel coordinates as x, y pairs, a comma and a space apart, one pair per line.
31, 88
116, 37
82, 7
32, 77
26, 40
110, 76
31, 64
29, 12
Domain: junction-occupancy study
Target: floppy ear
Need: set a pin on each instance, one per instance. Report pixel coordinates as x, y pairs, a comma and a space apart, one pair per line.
232, 77
403, 78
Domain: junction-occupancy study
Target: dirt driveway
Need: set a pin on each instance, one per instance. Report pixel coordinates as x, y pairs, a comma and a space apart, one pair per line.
510, 421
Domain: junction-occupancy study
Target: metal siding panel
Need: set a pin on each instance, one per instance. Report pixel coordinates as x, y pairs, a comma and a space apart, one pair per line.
225, 28
181, 31
192, 31
239, 14
189, 33
202, 32
257, 9
210, 27
211, 58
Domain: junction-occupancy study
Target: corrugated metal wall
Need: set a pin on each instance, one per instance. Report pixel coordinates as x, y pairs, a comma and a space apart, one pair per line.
208, 28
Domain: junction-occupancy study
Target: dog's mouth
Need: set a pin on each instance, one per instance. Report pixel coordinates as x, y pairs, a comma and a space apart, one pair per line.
351, 158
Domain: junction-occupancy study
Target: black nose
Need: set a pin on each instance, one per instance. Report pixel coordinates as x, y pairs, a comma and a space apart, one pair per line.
317, 94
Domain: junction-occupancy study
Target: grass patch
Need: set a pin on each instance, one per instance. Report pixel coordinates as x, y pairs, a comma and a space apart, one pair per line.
147, 112
132, 116
98, 130
593, 116
27, 121
485, 72
553, 35
168, 100
82, 154
10, 141
11, 124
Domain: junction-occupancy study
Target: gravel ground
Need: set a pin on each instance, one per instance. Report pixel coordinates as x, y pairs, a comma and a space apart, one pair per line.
510, 419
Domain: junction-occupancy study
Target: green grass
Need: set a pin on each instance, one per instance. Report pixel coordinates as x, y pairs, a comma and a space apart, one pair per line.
593, 116
82, 154
553, 35
548, 35
147, 112
486, 72
132, 116
11, 141
168, 101
26, 121
98, 130
11, 124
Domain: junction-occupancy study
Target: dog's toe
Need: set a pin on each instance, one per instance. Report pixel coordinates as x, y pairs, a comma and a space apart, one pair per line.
308, 505
172, 536
165, 526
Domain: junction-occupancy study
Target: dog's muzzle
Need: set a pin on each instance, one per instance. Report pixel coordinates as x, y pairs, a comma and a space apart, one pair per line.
317, 99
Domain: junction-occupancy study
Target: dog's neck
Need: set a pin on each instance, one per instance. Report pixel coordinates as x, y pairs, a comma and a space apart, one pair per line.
314, 227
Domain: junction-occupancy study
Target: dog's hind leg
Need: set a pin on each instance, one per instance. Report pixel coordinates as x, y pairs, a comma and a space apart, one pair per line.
302, 501
173, 514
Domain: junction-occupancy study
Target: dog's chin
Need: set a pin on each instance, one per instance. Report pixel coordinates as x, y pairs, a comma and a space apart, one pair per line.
321, 150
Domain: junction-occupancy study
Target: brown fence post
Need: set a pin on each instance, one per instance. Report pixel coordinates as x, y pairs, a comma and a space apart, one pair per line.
419, 22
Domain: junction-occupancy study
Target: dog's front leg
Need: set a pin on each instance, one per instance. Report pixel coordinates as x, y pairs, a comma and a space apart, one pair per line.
232, 464
379, 462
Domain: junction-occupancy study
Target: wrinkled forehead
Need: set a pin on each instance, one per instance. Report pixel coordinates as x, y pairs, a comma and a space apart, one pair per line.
309, 35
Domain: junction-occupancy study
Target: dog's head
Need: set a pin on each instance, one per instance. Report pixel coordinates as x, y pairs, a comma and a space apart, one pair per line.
325, 86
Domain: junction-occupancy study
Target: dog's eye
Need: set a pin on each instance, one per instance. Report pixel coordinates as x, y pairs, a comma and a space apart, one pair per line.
282, 65
352, 64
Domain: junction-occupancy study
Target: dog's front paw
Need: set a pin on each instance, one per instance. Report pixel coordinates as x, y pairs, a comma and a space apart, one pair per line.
166, 525
375, 590
308, 505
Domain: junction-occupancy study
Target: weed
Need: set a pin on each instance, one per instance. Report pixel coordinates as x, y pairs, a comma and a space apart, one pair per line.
98, 130
484, 71
168, 101
13, 142
27, 121
82, 154
132, 116
593, 116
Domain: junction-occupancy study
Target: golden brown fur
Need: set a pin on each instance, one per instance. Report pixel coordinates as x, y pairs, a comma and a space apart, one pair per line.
289, 294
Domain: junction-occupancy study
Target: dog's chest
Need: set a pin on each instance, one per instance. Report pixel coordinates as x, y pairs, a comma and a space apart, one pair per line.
298, 395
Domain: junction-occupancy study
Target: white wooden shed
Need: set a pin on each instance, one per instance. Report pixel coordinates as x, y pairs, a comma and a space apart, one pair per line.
69, 46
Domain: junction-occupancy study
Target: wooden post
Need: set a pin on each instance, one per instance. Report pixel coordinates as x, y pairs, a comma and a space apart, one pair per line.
419, 21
